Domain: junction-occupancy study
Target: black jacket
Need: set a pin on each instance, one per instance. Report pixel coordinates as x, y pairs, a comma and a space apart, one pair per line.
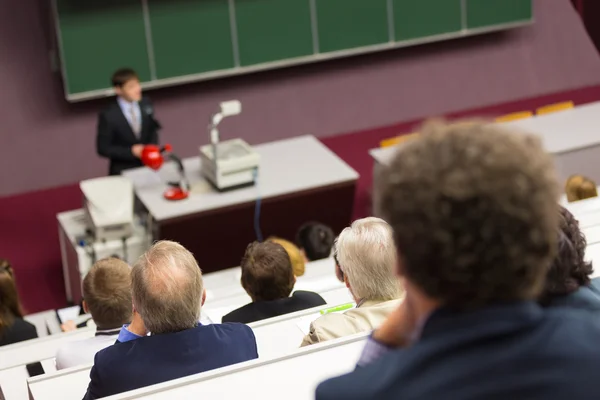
115, 136
20, 330
300, 300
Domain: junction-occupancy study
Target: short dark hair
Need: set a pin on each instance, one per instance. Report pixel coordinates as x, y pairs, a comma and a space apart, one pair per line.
316, 240
107, 293
473, 209
569, 270
267, 272
122, 76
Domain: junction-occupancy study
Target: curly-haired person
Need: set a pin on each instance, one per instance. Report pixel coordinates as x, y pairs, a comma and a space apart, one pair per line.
568, 282
473, 207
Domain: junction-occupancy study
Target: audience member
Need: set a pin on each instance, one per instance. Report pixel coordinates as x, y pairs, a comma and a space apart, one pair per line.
568, 281
365, 258
268, 279
107, 297
13, 328
296, 256
579, 187
315, 240
168, 293
474, 214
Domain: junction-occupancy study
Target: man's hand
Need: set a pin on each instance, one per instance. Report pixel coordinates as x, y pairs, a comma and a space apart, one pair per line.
137, 149
68, 326
137, 325
397, 329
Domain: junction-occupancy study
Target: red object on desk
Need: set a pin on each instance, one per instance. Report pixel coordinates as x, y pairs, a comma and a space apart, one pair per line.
152, 157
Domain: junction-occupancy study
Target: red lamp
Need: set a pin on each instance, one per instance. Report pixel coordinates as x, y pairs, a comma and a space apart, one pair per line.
154, 156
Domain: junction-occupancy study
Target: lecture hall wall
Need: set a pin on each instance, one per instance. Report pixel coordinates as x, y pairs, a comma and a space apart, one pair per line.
47, 142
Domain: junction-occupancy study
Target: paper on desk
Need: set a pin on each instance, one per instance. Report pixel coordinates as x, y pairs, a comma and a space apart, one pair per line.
201, 187
304, 322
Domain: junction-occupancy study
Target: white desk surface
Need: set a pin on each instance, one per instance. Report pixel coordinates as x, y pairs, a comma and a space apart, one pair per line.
592, 253
296, 375
286, 166
592, 234
13, 381
582, 208
39, 349
561, 132
65, 384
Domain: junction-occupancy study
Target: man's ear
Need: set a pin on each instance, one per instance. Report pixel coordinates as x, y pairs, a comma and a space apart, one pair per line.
347, 282
203, 297
85, 307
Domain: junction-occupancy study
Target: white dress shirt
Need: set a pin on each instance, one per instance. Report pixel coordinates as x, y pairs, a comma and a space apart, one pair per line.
83, 351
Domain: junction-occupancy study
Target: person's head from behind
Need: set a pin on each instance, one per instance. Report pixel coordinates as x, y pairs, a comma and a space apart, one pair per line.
569, 270
315, 240
296, 256
107, 293
167, 288
578, 187
10, 306
473, 209
267, 272
366, 256
126, 84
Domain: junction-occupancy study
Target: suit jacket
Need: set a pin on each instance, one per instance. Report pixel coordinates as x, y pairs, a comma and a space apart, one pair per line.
366, 317
159, 358
19, 331
115, 136
514, 351
255, 311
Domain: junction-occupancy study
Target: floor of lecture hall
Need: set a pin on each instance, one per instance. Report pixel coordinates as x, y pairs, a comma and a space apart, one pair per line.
30, 235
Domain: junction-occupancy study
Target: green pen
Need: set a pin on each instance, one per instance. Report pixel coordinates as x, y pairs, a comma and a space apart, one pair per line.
343, 307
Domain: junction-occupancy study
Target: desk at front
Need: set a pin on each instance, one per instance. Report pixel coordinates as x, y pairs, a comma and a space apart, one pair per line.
299, 180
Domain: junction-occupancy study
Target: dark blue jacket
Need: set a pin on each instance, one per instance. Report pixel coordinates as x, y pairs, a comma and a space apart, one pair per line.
586, 297
517, 351
159, 358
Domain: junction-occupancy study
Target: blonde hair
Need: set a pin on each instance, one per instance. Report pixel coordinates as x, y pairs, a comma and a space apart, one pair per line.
579, 187
367, 256
296, 257
167, 288
107, 293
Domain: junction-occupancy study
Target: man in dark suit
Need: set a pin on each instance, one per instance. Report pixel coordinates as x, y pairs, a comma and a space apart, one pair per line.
127, 124
167, 295
268, 278
474, 213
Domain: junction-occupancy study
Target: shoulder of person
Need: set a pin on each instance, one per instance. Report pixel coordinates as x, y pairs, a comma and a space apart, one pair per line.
243, 314
234, 328
306, 295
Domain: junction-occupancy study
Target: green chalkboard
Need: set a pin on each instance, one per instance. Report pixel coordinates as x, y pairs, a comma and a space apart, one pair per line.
177, 41
484, 13
190, 36
347, 24
273, 30
419, 19
98, 38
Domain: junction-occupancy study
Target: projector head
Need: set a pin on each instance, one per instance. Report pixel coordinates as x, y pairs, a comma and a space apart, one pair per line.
227, 109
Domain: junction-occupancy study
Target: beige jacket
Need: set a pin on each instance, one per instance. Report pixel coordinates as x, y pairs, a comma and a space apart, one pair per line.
367, 317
